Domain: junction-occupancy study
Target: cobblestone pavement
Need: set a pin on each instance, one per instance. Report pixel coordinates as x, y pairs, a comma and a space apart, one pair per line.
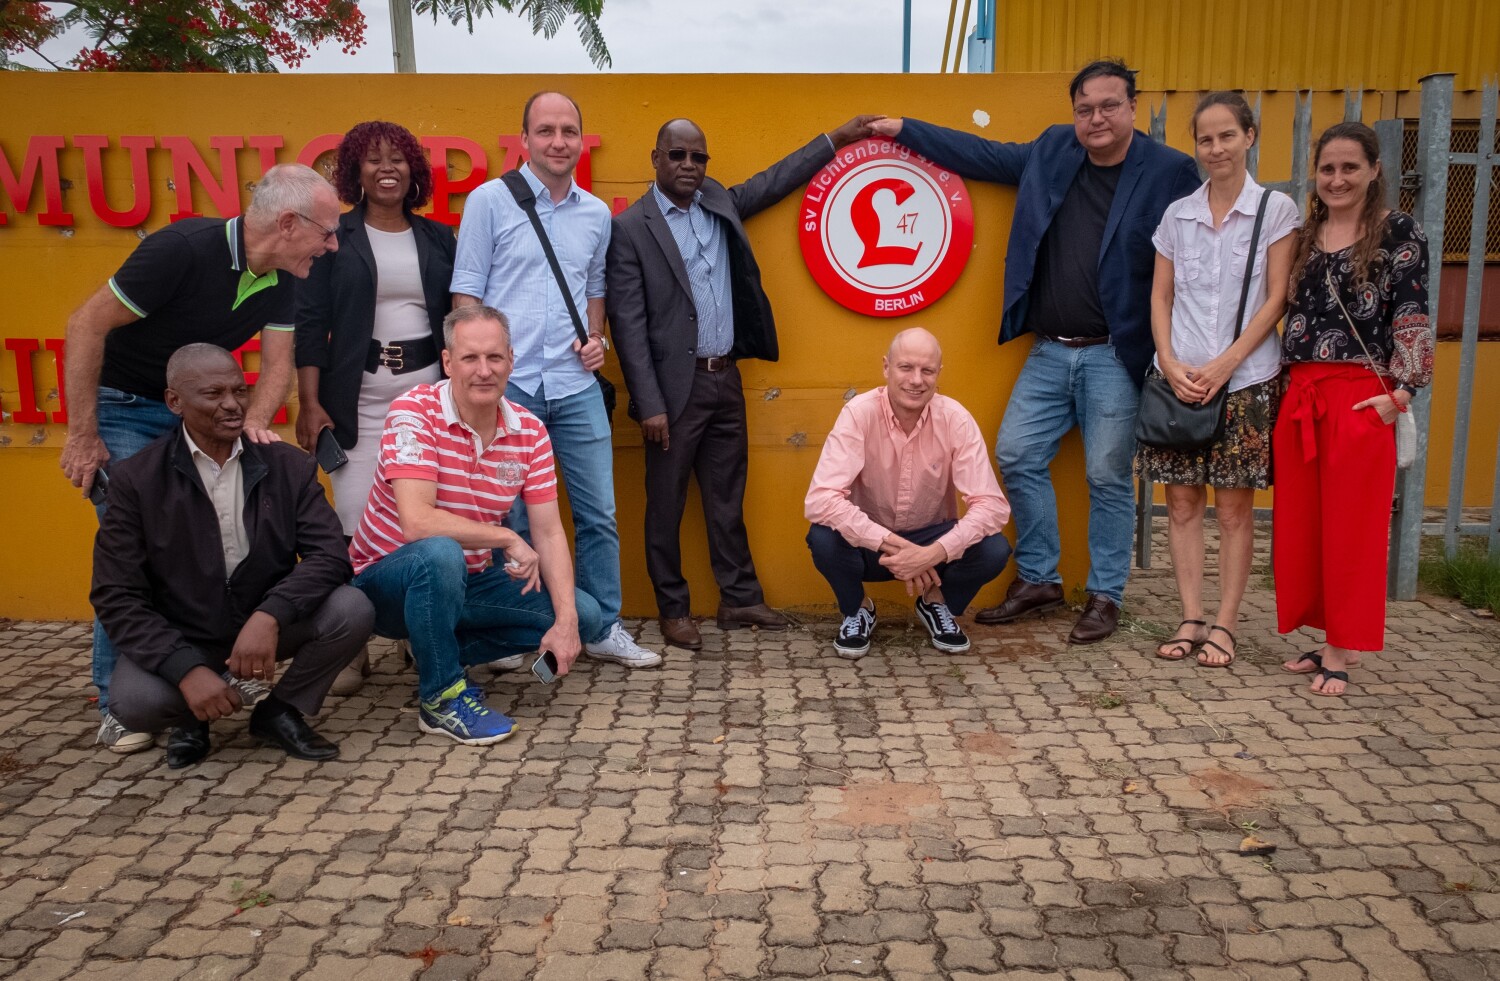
762, 809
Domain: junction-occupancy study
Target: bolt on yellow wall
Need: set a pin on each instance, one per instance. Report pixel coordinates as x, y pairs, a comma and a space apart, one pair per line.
750, 121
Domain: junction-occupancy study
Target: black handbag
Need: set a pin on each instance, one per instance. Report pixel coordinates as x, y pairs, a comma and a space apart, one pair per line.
1168, 423
521, 191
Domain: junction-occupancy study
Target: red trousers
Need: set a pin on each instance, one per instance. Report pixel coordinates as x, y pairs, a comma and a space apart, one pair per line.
1335, 474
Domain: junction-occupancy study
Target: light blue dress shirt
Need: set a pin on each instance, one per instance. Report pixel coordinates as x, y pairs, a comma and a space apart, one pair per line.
500, 260
704, 247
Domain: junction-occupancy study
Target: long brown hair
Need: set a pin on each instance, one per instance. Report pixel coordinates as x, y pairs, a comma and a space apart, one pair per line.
1372, 228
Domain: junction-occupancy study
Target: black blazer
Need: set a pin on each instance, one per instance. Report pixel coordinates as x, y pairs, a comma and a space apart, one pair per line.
159, 584
336, 311
649, 299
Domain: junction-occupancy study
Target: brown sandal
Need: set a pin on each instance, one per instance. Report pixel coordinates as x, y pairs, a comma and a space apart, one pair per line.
1176, 643
1227, 653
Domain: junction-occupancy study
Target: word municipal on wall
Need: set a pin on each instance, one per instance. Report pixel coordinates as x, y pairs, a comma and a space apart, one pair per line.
41, 163
29, 409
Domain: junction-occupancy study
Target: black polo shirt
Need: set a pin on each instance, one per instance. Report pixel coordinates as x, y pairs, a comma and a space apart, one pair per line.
189, 283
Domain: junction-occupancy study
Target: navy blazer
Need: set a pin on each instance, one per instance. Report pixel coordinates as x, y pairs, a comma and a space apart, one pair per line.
1042, 170
336, 311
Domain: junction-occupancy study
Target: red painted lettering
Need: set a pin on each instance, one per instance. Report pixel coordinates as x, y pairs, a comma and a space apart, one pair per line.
443, 187
21, 349
41, 156
55, 345
93, 148
187, 162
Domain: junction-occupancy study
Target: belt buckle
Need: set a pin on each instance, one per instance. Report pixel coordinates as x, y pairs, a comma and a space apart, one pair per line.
717, 363
392, 357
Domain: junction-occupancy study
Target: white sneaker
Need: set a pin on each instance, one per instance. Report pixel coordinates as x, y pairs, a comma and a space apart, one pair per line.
618, 646
508, 663
120, 739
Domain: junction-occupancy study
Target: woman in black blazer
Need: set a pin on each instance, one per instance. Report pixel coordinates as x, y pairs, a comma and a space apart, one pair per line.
370, 316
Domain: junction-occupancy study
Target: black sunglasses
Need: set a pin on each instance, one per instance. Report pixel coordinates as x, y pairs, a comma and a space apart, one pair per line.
677, 155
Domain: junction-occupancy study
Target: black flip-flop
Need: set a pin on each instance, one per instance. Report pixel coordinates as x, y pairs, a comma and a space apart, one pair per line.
1328, 676
1312, 657
1175, 642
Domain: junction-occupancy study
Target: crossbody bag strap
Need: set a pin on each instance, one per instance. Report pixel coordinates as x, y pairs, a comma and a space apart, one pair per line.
1332, 288
1260, 218
521, 191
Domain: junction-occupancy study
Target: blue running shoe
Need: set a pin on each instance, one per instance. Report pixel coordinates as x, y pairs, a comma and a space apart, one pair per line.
462, 716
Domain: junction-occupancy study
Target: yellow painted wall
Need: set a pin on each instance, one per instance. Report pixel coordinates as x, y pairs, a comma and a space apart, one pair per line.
1256, 44
46, 531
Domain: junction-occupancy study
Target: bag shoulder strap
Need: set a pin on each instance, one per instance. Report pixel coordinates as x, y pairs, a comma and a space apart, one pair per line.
1333, 288
1260, 218
521, 191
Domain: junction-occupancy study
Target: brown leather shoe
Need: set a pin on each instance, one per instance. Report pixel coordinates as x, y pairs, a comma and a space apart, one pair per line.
1021, 600
681, 632
760, 615
1101, 617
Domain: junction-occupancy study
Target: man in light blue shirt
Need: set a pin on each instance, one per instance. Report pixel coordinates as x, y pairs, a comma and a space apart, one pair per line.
500, 262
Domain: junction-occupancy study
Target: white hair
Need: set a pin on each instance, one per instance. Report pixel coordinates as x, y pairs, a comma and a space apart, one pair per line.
285, 187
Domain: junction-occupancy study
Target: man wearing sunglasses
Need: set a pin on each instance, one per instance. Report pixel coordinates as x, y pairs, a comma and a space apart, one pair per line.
685, 303
199, 280
1077, 275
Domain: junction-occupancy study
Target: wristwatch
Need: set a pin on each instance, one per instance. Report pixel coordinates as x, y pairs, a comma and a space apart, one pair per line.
603, 341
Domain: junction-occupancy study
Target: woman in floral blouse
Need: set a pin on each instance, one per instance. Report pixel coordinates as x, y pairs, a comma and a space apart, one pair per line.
1358, 267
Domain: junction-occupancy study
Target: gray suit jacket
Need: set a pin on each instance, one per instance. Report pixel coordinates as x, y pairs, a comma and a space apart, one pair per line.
649, 300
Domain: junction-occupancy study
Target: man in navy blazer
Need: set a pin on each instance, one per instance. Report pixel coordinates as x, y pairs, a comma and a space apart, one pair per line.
685, 303
1077, 275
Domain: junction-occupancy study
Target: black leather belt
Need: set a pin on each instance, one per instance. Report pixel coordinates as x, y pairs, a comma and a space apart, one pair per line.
716, 364
401, 357
1080, 341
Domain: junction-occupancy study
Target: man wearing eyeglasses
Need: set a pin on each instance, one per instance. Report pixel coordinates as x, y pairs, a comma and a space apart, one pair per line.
685, 303
199, 280
1077, 275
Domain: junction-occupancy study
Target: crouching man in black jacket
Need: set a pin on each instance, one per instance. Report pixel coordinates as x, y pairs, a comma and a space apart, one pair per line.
197, 579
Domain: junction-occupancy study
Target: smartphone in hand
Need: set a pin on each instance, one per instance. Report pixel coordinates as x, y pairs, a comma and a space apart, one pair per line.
545, 667
99, 492
330, 454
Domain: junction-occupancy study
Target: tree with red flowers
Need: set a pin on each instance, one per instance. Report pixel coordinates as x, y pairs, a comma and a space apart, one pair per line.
241, 35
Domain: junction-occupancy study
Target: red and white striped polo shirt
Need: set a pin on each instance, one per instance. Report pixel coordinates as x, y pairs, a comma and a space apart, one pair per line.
425, 439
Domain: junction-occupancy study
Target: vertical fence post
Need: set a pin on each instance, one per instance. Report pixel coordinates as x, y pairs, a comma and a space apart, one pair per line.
1433, 132
1145, 496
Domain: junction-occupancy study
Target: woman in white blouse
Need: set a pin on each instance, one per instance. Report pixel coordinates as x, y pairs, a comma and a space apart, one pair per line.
1203, 246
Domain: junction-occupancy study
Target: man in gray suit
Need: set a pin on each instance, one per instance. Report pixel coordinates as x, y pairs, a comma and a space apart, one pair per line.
685, 303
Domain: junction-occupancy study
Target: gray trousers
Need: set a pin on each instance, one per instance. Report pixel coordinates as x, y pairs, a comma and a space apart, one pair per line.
319, 647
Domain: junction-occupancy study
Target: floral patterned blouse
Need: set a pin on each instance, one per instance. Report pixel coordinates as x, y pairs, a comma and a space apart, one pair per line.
1390, 312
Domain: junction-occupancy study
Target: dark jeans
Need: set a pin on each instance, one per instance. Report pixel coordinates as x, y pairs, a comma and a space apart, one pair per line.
455, 618
848, 567
319, 647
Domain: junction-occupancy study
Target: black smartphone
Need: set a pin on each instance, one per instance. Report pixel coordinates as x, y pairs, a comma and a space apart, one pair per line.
99, 492
330, 454
545, 667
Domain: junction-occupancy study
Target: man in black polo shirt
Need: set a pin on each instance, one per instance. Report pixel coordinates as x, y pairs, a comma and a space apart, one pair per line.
199, 280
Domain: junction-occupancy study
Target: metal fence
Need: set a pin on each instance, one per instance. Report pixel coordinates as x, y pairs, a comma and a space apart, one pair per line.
1442, 180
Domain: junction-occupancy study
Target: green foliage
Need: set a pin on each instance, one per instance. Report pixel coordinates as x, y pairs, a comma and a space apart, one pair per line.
545, 16
1471, 576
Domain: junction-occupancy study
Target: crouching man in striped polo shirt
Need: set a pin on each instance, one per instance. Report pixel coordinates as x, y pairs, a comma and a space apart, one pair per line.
430, 551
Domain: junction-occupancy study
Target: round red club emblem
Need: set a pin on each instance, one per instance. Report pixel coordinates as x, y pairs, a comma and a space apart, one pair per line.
884, 231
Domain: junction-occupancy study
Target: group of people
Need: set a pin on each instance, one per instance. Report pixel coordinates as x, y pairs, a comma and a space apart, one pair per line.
449, 387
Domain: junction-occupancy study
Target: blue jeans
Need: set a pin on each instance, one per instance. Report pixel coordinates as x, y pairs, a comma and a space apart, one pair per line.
126, 424
454, 618
584, 454
1061, 387
848, 567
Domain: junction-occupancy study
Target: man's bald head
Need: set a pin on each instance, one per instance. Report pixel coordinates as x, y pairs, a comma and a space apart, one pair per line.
191, 360
917, 340
677, 127
680, 159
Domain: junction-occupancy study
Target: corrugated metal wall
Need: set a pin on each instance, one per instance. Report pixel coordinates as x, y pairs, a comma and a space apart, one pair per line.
1257, 44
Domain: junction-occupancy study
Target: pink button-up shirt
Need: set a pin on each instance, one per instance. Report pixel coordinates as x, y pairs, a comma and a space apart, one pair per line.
875, 478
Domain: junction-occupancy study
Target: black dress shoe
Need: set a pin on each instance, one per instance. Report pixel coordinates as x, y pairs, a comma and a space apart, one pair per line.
187, 745
285, 727
1023, 599
1100, 618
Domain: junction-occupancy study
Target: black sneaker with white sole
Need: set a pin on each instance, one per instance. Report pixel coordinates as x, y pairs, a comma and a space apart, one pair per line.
944, 630
854, 633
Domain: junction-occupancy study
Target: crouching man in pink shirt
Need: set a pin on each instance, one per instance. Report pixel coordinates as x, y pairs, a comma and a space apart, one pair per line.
883, 505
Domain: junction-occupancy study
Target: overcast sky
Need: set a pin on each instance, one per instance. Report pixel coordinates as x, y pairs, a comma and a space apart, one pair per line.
658, 36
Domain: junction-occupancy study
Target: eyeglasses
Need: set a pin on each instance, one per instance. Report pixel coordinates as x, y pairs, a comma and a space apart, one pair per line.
327, 232
1106, 109
677, 155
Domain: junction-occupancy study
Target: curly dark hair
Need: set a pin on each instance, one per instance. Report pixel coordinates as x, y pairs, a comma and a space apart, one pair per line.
357, 143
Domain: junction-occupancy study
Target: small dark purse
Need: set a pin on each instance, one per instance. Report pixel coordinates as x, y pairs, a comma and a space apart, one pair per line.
1168, 423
